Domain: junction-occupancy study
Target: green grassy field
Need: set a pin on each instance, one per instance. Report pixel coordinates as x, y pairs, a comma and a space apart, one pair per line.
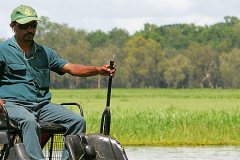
163, 116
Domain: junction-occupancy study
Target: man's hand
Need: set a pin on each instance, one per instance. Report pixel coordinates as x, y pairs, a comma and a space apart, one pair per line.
2, 103
105, 70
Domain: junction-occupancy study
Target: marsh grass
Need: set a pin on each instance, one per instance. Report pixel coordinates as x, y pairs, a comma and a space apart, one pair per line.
163, 116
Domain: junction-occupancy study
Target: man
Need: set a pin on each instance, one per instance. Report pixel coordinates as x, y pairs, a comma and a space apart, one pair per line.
24, 82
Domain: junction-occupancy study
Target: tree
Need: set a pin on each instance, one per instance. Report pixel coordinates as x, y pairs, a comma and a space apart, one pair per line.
97, 38
57, 36
143, 63
118, 37
103, 55
177, 71
76, 53
151, 31
205, 65
229, 68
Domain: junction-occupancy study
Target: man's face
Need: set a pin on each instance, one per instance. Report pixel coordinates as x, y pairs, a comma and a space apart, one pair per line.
25, 32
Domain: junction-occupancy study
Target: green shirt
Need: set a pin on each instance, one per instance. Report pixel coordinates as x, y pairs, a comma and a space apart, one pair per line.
27, 78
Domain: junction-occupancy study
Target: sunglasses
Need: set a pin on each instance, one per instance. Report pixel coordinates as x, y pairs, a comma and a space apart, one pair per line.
27, 25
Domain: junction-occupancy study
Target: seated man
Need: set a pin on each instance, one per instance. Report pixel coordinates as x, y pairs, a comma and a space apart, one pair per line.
24, 83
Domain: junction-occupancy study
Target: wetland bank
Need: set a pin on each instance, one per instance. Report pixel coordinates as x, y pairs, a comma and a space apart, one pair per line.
163, 117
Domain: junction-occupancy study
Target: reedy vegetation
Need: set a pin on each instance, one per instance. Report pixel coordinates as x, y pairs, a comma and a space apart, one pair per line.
163, 116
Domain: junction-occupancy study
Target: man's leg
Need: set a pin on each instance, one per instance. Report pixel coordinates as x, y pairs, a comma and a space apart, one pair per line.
73, 122
29, 127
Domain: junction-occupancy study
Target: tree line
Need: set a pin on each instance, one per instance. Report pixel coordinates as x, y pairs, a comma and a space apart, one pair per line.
173, 56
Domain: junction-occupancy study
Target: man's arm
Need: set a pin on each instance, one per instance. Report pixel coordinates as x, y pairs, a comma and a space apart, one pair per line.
87, 71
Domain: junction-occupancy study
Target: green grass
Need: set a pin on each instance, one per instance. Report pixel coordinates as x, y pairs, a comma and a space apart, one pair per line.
163, 116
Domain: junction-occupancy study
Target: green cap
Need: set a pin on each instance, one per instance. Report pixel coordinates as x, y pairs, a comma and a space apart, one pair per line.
24, 14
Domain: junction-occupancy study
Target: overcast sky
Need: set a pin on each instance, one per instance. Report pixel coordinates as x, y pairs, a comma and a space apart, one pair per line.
131, 15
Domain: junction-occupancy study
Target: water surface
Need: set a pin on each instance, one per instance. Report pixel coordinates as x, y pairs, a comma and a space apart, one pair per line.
183, 153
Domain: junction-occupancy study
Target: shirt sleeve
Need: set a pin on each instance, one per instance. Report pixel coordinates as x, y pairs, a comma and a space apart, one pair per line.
56, 62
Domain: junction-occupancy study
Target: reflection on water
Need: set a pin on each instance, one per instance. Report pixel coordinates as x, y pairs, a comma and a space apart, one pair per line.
183, 153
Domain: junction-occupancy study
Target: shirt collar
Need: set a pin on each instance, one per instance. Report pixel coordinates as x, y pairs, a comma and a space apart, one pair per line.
12, 42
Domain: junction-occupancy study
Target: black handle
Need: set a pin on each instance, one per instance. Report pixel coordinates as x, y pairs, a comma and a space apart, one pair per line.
106, 116
109, 85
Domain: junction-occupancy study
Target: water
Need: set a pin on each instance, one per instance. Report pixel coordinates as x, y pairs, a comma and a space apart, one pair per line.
183, 153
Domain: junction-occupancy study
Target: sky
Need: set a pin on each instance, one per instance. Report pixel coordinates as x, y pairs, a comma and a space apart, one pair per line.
92, 15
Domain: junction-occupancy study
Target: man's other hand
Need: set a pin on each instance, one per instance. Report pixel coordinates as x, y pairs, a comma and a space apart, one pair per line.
2, 103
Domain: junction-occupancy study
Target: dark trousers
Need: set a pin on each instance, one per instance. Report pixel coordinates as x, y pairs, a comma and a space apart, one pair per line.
27, 114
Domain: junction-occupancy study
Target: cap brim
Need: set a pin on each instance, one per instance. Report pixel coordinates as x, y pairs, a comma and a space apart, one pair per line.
27, 20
